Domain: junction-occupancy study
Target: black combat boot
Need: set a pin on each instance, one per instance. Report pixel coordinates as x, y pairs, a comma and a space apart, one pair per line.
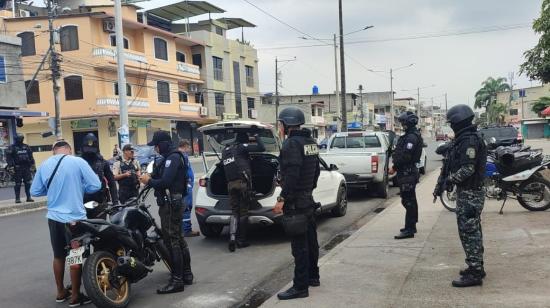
175, 284
187, 273
314, 282
467, 270
293, 293
407, 233
469, 279
241, 232
404, 229
17, 189
28, 192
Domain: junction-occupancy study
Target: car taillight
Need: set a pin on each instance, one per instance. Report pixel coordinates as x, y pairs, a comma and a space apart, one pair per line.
75, 244
200, 210
520, 136
202, 182
374, 164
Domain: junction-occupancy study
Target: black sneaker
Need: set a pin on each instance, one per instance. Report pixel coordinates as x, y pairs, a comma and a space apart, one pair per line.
292, 293
403, 235
82, 300
403, 230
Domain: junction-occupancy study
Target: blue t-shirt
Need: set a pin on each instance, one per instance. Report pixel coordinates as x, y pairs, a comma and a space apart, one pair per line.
190, 182
74, 177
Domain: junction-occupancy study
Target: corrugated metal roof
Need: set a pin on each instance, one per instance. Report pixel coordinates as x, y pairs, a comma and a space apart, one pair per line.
233, 23
184, 9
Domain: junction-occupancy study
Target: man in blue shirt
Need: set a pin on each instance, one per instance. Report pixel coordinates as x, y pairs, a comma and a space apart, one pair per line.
185, 148
64, 190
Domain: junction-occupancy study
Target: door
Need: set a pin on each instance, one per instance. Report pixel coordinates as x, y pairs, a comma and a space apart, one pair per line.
535, 131
327, 187
77, 140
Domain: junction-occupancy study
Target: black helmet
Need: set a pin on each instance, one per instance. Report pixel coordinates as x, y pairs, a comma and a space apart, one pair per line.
460, 113
408, 119
292, 116
90, 144
19, 138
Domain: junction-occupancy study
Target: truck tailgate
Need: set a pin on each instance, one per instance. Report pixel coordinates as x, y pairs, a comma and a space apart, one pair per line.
350, 163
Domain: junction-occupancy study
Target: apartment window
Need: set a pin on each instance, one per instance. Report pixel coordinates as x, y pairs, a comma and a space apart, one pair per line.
197, 60
249, 76
73, 88
218, 68
128, 89
513, 112
313, 109
163, 91
320, 112
182, 96
69, 38
161, 49
220, 106
27, 44
219, 30
180, 56
33, 95
2, 70
199, 98
250, 102
126, 44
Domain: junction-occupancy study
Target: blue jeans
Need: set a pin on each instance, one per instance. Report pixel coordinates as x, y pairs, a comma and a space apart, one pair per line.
187, 210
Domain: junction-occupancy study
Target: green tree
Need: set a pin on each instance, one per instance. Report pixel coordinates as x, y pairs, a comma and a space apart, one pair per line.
540, 105
537, 60
487, 96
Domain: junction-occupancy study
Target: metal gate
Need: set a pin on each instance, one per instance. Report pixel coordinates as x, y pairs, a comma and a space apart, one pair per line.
535, 131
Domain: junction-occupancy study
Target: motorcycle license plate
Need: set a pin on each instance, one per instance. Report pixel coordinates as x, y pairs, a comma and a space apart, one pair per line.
75, 256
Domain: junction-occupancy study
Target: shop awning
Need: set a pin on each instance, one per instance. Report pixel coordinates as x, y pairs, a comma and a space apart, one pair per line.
546, 112
22, 113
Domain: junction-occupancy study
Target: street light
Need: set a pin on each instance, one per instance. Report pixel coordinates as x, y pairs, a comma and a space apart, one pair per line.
337, 92
391, 92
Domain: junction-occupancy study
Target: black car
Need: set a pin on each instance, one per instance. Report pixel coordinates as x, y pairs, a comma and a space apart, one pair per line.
504, 135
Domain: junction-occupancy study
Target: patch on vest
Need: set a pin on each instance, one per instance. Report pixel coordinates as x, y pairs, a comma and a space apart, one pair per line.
167, 163
311, 149
409, 146
228, 161
471, 153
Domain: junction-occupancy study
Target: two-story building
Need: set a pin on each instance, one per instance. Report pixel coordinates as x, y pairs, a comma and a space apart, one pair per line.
161, 80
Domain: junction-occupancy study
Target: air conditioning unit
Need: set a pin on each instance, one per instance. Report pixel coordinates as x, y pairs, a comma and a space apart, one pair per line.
193, 88
252, 113
24, 13
203, 111
109, 25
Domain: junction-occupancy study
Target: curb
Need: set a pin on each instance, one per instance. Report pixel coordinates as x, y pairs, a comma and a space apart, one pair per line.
20, 208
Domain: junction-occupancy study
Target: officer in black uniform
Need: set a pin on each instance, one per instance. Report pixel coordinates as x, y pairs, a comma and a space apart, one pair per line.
467, 159
169, 179
238, 173
407, 153
300, 170
20, 162
126, 171
108, 191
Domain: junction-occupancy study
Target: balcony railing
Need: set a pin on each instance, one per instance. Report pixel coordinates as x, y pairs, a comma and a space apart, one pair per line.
188, 68
111, 53
317, 120
114, 102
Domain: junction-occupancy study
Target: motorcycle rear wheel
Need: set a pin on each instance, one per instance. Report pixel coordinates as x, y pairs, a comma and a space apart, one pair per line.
96, 277
538, 190
448, 199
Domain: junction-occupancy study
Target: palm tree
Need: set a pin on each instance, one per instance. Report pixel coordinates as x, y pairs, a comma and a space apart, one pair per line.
487, 95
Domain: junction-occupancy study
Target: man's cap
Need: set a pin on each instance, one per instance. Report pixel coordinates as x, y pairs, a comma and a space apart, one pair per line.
128, 147
160, 136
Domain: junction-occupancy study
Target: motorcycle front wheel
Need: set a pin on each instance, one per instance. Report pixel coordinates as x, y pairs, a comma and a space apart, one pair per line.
102, 287
534, 194
448, 199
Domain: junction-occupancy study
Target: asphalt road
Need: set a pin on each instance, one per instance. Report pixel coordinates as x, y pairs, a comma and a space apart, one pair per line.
222, 279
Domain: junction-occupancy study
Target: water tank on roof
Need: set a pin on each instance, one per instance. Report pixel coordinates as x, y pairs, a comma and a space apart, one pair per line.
315, 90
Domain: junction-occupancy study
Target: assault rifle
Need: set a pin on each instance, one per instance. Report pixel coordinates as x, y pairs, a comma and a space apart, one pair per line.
442, 185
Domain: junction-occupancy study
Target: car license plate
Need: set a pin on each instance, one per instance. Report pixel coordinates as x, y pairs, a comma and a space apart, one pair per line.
75, 256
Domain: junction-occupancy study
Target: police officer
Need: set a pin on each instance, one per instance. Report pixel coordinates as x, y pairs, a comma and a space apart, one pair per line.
238, 173
300, 170
20, 162
407, 153
108, 191
126, 171
467, 171
169, 179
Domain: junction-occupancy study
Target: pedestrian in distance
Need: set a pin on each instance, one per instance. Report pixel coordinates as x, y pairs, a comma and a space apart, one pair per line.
169, 179
187, 228
126, 171
21, 165
64, 179
238, 173
467, 158
300, 170
405, 157
116, 152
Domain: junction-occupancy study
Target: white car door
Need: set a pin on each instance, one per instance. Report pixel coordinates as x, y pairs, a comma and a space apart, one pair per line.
327, 187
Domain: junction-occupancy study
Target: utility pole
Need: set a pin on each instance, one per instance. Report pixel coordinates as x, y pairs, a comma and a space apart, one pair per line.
338, 104
446, 103
276, 91
123, 131
343, 106
54, 65
361, 104
391, 99
433, 119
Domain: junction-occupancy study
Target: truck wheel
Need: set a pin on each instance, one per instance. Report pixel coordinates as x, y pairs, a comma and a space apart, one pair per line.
341, 204
381, 189
213, 230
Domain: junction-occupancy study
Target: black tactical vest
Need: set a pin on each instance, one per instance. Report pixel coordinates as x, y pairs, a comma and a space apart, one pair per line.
402, 144
22, 154
469, 139
179, 185
236, 160
100, 196
310, 158
131, 181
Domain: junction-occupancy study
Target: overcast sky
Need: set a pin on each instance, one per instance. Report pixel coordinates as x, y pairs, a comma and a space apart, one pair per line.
455, 64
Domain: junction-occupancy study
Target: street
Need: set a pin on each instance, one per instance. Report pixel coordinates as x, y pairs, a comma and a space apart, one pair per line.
222, 279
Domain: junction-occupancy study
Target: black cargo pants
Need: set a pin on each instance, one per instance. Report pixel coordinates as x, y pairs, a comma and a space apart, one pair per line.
407, 188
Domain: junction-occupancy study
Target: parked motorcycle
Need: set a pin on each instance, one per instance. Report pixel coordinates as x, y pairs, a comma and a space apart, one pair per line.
512, 172
118, 251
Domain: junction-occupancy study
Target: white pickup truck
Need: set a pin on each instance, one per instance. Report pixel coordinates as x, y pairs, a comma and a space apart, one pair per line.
363, 158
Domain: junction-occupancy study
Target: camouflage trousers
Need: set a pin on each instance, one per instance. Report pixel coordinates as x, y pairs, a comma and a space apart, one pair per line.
469, 205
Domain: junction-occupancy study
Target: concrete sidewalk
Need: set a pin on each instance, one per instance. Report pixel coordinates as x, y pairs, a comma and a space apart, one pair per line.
9, 207
371, 269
